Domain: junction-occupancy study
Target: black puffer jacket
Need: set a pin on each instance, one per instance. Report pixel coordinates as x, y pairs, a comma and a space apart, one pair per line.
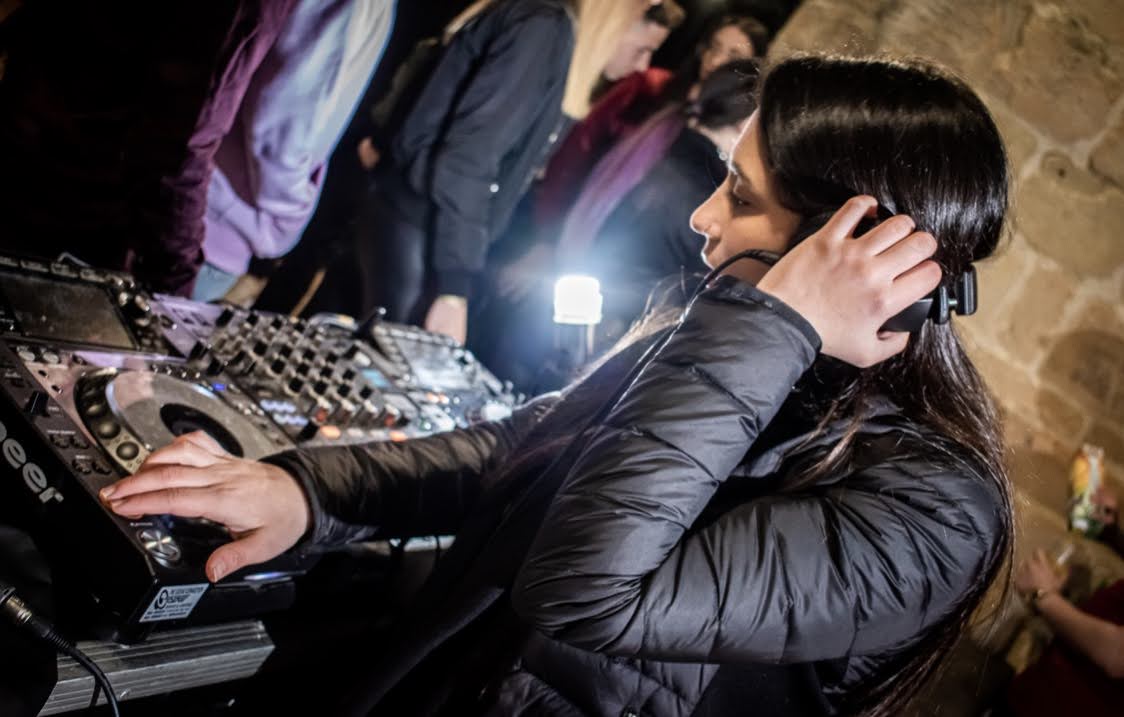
665, 555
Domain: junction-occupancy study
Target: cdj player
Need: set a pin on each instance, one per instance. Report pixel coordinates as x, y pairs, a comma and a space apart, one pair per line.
96, 373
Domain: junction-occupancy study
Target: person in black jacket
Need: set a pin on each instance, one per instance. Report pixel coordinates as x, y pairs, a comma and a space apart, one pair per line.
485, 120
767, 501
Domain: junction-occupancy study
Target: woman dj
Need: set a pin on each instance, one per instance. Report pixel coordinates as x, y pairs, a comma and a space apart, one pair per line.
783, 505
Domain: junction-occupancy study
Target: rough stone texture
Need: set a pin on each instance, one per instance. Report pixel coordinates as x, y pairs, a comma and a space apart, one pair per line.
827, 26
1101, 17
1049, 335
970, 38
1107, 159
1039, 464
1062, 416
1084, 364
1058, 66
1046, 291
1013, 388
1108, 435
1073, 217
997, 277
1020, 141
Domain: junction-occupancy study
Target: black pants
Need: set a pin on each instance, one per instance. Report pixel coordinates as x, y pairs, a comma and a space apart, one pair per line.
384, 265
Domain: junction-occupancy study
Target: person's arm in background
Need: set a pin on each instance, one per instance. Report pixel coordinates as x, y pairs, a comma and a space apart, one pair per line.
1099, 640
497, 104
1105, 511
270, 168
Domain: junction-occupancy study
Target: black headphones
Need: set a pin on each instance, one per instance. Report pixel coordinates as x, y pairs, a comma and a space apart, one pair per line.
956, 296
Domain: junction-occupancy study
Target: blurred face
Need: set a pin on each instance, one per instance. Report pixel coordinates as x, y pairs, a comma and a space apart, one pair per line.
744, 212
726, 45
634, 54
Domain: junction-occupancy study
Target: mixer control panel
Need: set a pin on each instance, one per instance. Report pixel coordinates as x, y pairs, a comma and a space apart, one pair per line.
96, 374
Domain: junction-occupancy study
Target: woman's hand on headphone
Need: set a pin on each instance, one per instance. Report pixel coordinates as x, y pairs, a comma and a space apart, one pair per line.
848, 287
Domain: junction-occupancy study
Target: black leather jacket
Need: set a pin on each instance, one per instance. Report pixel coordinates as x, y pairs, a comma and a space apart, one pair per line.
669, 550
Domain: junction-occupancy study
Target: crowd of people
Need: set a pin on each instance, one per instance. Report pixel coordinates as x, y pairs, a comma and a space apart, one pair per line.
756, 495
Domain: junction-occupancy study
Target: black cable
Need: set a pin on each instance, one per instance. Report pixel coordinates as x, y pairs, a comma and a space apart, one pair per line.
20, 614
94, 697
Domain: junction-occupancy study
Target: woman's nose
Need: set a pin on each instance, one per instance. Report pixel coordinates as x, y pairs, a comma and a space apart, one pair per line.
703, 219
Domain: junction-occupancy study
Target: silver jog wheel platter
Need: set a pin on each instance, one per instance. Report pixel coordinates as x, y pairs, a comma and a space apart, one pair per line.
132, 413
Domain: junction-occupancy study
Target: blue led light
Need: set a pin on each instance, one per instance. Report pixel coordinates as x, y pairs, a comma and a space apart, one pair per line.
218, 386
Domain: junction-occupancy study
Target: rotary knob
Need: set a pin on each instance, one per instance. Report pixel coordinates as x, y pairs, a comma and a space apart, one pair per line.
161, 546
198, 350
224, 318
215, 367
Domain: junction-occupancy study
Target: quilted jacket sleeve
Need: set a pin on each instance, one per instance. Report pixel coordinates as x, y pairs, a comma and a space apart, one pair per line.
424, 486
860, 566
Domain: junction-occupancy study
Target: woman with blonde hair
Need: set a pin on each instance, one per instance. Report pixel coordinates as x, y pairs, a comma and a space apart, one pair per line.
485, 121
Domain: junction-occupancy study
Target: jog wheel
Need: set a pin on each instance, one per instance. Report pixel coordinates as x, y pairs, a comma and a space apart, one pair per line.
132, 413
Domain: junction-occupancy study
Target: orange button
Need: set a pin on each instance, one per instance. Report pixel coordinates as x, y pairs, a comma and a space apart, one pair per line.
398, 436
332, 433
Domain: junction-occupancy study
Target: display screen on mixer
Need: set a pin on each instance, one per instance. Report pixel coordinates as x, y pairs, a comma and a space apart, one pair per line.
441, 377
376, 378
78, 313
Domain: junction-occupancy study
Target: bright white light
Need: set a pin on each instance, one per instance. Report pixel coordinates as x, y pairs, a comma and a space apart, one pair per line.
577, 300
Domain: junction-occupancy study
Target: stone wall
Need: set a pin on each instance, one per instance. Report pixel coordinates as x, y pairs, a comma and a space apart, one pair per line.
1049, 336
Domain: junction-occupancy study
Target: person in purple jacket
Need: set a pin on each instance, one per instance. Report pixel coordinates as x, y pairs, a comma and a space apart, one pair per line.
270, 167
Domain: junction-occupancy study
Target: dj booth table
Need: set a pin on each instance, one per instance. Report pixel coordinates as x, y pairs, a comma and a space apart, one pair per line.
173, 660
182, 659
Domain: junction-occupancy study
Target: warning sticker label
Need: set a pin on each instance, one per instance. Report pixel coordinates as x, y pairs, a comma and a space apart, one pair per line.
174, 602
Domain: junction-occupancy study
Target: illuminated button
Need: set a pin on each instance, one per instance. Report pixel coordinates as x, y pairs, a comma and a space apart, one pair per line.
331, 433
398, 436
95, 409
107, 428
160, 545
127, 451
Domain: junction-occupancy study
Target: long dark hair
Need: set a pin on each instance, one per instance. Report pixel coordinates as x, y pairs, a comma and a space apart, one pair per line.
923, 144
